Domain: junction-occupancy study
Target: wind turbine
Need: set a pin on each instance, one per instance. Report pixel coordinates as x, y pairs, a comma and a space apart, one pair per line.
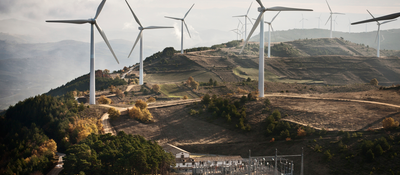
319, 21
302, 20
183, 22
92, 22
334, 24
260, 21
245, 20
269, 33
330, 17
349, 26
378, 34
140, 36
382, 18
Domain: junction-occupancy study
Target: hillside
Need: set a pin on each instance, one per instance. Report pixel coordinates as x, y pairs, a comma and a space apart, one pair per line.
312, 61
389, 40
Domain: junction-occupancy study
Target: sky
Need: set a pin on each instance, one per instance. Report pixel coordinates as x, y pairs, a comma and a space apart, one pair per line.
209, 22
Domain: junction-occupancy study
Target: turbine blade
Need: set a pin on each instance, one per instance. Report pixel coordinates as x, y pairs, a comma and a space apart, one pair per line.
259, 2
328, 6
252, 30
137, 20
382, 18
137, 39
173, 18
187, 29
99, 9
336, 13
79, 21
240, 21
272, 28
286, 9
249, 9
106, 40
188, 11
249, 20
239, 16
157, 27
328, 19
371, 14
388, 21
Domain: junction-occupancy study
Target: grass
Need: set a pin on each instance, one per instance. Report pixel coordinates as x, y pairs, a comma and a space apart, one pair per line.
268, 76
173, 91
200, 76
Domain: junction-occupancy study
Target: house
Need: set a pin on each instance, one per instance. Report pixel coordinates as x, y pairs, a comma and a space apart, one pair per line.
184, 161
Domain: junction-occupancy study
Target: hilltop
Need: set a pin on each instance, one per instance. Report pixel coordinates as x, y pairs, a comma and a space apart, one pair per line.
389, 40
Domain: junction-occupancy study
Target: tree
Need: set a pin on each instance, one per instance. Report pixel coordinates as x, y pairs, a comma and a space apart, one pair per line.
194, 85
389, 123
189, 81
156, 88
151, 100
374, 82
141, 104
104, 100
106, 71
211, 82
113, 113
206, 99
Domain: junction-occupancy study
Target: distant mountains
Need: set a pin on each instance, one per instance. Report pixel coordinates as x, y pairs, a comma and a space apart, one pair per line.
389, 38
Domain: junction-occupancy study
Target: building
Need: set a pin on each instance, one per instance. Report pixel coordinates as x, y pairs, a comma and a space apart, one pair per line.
185, 162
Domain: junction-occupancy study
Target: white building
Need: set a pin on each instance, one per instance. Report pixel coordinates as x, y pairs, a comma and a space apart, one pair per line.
184, 161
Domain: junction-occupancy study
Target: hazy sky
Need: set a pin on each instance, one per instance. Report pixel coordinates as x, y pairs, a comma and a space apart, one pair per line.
209, 21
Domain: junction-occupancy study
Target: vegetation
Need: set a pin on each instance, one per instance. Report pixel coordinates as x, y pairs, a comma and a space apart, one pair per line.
283, 50
113, 113
121, 154
374, 82
156, 88
140, 112
103, 81
389, 123
104, 100
34, 129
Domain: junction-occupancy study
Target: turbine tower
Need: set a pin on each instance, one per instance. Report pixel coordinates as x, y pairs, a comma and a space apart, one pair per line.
92, 22
330, 17
183, 22
269, 33
319, 21
140, 36
378, 34
260, 21
245, 20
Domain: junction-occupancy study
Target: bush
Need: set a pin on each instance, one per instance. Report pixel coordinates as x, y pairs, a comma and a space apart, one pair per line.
113, 113
206, 99
327, 155
317, 148
156, 88
242, 91
193, 112
185, 97
389, 123
374, 82
141, 104
276, 114
370, 156
301, 132
378, 150
267, 102
119, 93
104, 100
285, 134
151, 100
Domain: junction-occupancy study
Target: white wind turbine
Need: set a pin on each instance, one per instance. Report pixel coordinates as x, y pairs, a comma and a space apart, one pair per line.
183, 22
140, 36
245, 20
260, 21
378, 34
302, 20
330, 17
269, 33
319, 21
92, 22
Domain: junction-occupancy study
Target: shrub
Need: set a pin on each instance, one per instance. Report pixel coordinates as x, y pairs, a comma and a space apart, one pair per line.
185, 97
370, 156
374, 82
389, 123
317, 148
301, 132
141, 104
288, 139
206, 99
113, 113
112, 89
193, 112
285, 134
151, 100
119, 93
272, 140
104, 100
276, 114
267, 102
242, 91
378, 150
156, 88
327, 155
